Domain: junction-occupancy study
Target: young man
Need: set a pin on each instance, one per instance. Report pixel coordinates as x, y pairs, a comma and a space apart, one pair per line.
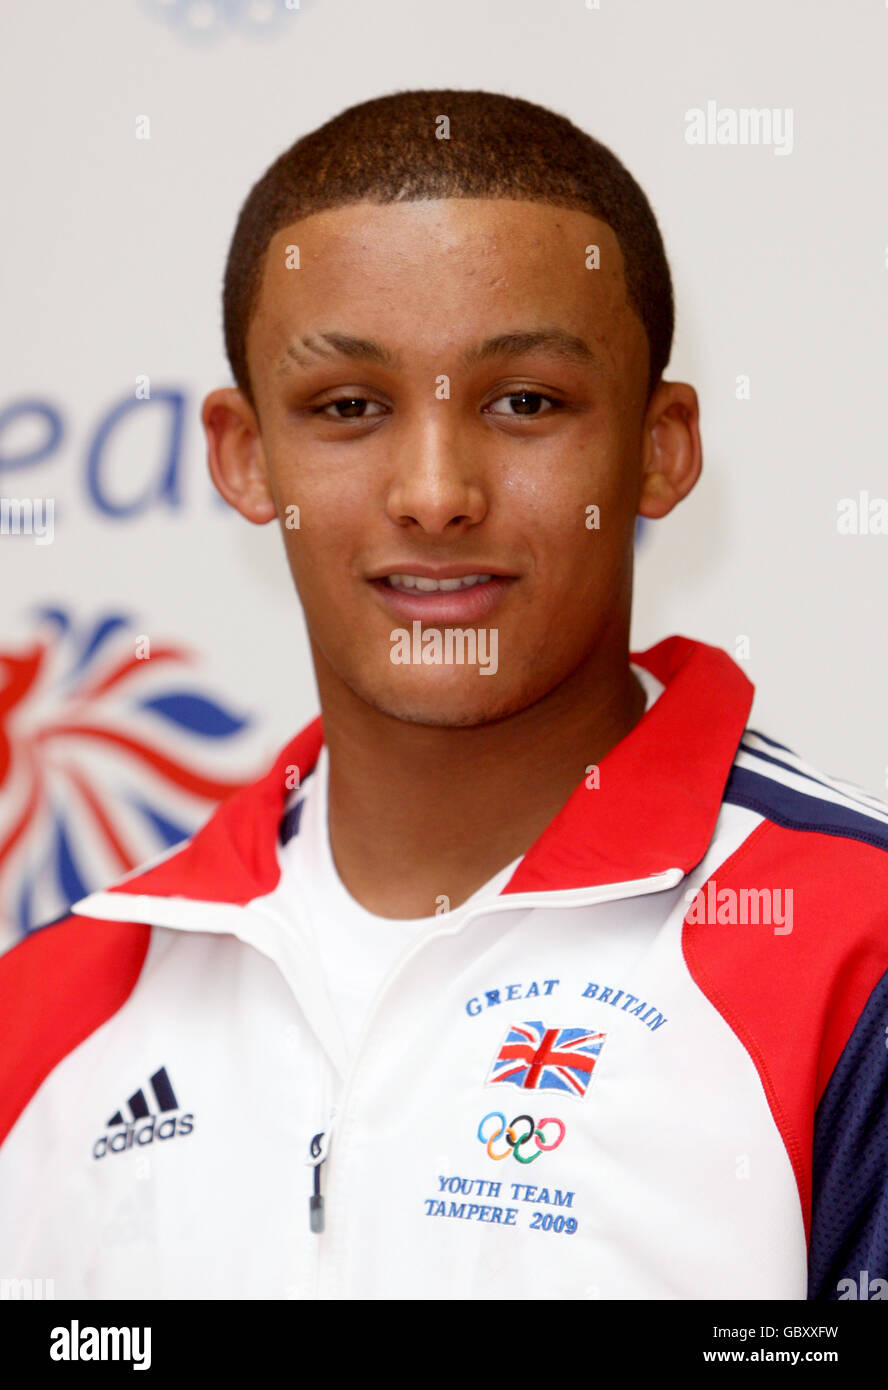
532, 971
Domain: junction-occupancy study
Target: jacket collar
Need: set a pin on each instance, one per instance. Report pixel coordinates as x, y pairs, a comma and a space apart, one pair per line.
661, 786
659, 795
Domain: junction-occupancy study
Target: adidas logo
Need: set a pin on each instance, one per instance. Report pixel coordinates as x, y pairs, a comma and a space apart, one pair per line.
134, 1131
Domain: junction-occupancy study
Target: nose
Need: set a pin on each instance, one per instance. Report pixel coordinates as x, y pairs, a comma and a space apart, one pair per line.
435, 484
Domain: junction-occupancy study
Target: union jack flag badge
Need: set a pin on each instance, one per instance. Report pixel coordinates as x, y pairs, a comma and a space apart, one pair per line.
547, 1059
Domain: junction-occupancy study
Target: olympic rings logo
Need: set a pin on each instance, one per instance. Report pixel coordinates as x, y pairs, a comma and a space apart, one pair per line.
515, 1141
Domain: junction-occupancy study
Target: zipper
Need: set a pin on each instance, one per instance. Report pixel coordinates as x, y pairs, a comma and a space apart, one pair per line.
319, 1146
317, 1153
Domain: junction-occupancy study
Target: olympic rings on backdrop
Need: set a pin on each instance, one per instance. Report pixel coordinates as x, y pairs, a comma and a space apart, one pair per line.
533, 1131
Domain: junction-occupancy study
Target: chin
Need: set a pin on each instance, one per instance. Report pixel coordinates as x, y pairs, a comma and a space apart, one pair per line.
454, 708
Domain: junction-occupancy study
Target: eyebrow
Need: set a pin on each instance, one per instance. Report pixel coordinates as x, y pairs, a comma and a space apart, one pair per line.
556, 341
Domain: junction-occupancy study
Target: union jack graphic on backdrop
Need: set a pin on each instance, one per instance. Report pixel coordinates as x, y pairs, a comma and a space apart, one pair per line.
106, 757
547, 1059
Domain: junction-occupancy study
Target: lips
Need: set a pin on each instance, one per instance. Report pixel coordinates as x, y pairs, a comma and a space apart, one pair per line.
424, 584
442, 597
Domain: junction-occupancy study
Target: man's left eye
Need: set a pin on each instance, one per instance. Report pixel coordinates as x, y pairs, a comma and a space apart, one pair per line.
523, 403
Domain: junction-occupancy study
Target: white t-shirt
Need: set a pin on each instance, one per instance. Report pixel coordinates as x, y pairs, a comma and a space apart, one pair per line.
358, 948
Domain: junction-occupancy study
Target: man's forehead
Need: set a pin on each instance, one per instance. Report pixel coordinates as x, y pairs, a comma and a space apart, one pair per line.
531, 288
477, 239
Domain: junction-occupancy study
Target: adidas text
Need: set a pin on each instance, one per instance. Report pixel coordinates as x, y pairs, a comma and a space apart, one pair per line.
132, 1136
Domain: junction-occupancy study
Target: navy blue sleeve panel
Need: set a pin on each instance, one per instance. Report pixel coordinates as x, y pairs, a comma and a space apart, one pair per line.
848, 1248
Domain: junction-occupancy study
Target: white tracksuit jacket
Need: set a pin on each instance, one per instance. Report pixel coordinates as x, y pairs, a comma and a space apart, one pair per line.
653, 1067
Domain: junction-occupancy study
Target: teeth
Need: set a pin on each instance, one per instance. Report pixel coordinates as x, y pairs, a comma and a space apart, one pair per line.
431, 586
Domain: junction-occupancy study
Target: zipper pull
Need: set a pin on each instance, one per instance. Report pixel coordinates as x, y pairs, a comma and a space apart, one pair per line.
318, 1150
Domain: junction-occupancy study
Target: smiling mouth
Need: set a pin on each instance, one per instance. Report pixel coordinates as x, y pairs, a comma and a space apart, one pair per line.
445, 598
421, 584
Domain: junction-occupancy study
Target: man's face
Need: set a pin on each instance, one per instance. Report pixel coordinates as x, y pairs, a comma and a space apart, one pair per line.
445, 390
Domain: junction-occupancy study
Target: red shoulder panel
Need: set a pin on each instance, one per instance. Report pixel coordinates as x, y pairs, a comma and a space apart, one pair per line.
56, 988
793, 999
65, 980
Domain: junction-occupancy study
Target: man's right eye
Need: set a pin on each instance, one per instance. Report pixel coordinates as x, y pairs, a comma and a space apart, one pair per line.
349, 408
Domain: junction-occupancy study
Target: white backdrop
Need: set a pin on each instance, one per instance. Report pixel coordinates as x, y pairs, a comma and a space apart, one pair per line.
113, 252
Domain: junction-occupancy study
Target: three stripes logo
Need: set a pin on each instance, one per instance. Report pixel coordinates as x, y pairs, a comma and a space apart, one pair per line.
140, 1125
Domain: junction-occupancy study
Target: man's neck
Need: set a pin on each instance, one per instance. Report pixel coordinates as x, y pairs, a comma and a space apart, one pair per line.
420, 813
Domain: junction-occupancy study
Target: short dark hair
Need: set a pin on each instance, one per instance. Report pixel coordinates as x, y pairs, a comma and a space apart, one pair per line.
386, 151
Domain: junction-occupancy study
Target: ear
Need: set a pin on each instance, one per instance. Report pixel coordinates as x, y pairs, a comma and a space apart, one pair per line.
235, 456
672, 455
